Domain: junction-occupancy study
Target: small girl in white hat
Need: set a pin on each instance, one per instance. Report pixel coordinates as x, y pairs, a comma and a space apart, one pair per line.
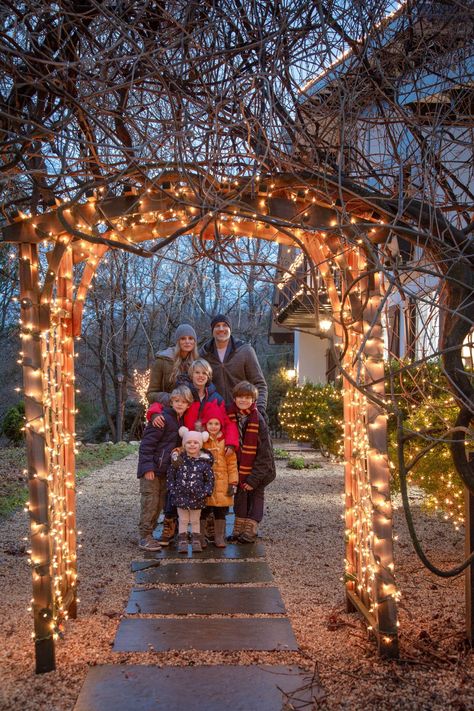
190, 481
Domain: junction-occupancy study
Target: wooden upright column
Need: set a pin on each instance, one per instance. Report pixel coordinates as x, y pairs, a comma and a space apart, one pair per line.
65, 302
370, 582
38, 461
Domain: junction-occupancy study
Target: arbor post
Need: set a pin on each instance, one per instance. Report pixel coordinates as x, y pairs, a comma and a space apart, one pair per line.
39, 503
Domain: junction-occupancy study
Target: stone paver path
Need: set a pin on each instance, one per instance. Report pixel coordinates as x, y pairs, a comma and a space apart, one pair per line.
173, 613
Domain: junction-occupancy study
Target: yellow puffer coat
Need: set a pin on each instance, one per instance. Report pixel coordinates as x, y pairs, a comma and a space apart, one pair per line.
225, 472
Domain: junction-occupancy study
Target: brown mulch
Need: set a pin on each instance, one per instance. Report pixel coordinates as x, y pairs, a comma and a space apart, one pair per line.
303, 535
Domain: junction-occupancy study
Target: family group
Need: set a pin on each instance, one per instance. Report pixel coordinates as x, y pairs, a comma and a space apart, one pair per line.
206, 445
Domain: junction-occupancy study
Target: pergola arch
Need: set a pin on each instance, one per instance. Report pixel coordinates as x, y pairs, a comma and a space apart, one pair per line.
281, 208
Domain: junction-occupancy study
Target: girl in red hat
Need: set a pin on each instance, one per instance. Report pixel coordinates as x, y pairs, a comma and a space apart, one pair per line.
226, 476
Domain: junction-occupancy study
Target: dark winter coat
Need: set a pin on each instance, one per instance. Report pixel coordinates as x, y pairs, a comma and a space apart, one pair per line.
157, 444
263, 467
192, 481
240, 363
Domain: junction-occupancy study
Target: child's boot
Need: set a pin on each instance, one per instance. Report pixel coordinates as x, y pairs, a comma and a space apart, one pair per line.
202, 528
210, 527
219, 531
239, 524
249, 534
183, 542
169, 531
196, 545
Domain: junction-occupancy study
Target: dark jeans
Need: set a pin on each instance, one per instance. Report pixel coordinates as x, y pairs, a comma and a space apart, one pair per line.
170, 509
218, 511
249, 504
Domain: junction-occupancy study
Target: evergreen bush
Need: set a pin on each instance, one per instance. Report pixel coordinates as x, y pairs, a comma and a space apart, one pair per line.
277, 387
313, 413
430, 410
13, 424
296, 463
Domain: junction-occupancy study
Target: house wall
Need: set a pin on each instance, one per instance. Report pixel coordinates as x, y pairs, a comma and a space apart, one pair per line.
310, 358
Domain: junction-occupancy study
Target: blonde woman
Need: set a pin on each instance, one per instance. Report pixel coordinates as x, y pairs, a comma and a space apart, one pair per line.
172, 364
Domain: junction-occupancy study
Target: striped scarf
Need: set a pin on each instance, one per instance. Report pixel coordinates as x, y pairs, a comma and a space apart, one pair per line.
247, 423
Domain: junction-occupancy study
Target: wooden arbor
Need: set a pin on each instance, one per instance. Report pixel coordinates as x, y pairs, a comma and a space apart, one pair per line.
278, 208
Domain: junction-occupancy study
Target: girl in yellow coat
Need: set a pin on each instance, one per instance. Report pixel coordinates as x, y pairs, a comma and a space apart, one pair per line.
226, 475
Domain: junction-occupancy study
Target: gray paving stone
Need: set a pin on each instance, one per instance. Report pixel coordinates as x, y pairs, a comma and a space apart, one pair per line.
117, 687
213, 634
232, 550
206, 601
207, 573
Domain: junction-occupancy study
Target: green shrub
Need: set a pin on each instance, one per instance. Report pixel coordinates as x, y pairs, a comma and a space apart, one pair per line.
13, 424
313, 413
280, 453
422, 393
296, 463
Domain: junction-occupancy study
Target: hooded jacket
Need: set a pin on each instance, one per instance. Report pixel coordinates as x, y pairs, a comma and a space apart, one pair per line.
240, 363
225, 471
191, 481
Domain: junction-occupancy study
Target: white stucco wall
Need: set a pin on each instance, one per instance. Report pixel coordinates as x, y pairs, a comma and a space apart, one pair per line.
310, 358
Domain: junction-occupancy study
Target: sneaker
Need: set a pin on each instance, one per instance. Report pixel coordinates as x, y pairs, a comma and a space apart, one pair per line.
149, 544
168, 532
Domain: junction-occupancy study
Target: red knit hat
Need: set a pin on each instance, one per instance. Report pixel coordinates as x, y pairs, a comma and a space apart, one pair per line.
211, 411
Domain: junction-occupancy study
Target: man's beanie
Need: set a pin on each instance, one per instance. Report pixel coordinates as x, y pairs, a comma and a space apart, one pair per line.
184, 330
220, 318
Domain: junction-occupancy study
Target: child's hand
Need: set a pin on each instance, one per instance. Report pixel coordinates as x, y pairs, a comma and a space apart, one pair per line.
247, 487
158, 421
150, 476
229, 449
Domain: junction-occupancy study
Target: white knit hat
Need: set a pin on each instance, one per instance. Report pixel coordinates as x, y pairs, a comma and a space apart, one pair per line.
186, 435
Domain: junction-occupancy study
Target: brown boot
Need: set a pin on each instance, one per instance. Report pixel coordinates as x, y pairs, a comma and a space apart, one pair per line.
202, 528
196, 544
169, 531
219, 528
210, 528
239, 524
249, 534
183, 543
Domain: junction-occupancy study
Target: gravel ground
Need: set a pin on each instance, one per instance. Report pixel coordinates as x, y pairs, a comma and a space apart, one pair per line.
304, 543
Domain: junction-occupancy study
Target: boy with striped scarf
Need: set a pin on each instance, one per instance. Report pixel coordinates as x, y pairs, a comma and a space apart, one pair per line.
255, 461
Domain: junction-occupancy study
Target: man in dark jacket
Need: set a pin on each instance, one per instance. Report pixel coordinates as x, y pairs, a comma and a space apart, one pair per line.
233, 361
